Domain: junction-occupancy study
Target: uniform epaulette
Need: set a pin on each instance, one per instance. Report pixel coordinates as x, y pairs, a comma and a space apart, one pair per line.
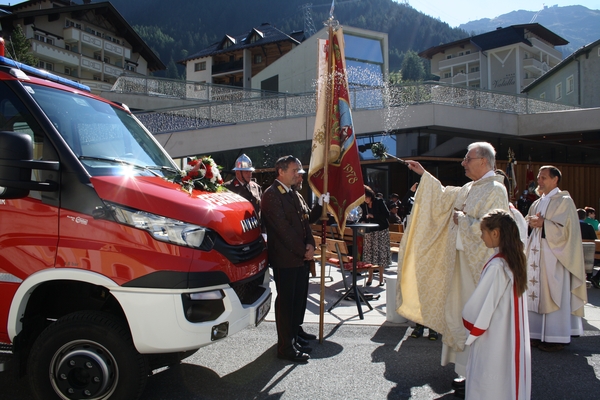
281, 189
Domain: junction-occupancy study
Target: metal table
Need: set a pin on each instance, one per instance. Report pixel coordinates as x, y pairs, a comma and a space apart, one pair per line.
357, 230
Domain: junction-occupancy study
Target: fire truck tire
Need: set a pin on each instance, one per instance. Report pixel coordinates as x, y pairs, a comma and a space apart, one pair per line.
86, 354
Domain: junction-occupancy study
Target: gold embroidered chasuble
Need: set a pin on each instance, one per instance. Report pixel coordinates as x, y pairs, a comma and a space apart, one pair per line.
429, 253
563, 239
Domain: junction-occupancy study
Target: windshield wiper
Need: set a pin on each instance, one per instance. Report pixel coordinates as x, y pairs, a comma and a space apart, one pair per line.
163, 168
122, 162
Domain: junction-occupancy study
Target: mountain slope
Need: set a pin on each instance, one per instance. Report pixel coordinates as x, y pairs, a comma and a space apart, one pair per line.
177, 28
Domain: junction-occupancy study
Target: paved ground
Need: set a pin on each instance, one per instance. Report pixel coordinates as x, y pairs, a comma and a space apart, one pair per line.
359, 359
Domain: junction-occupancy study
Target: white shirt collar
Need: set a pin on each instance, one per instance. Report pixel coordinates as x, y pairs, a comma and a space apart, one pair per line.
487, 175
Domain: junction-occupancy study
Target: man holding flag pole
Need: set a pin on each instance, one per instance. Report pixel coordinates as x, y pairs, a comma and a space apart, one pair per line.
334, 155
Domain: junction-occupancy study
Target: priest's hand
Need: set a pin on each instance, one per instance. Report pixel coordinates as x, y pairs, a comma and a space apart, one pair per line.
535, 221
415, 167
456, 215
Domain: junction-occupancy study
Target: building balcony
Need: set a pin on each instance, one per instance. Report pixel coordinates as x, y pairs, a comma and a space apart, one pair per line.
557, 55
533, 65
90, 40
53, 53
459, 60
113, 48
461, 78
91, 64
74, 35
228, 67
112, 70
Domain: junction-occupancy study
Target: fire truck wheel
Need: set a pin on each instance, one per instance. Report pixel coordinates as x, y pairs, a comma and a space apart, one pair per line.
86, 355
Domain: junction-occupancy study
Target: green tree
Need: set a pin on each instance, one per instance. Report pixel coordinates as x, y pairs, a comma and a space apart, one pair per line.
395, 77
172, 72
18, 47
412, 67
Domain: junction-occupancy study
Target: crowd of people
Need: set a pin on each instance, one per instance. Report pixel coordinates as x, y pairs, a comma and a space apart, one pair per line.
492, 281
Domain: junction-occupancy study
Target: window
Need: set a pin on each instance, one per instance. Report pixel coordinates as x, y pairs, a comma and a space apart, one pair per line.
461, 53
570, 84
558, 91
45, 65
474, 69
200, 66
97, 78
130, 67
67, 71
468, 52
69, 23
43, 38
447, 75
543, 96
449, 56
257, 59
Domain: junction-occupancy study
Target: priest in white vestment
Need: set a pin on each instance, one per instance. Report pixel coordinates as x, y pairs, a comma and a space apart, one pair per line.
556, 291
441, 253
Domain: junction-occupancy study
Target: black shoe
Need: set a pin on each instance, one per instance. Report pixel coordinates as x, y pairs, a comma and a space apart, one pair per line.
595, 282
303, 349
306, 336
459, 383
294, 356
417, 331
433, 335
302, 342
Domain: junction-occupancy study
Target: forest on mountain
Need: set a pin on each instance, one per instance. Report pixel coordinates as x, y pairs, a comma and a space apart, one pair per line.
177, 28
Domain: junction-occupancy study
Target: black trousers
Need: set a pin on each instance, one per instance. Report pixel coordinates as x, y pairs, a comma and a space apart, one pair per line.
304, 296
290, 305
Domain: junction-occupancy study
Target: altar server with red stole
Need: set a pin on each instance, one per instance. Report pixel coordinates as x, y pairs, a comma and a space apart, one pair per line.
499, 365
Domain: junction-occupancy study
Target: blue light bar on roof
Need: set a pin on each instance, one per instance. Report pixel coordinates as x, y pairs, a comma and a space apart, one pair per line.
43, 74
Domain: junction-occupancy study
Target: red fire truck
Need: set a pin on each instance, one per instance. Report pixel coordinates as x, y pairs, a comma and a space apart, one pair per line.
108, 269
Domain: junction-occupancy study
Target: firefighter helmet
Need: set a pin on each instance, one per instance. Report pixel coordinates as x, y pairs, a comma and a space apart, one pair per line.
243, 163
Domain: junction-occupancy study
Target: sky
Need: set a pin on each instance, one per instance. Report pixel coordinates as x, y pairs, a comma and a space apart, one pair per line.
458, 12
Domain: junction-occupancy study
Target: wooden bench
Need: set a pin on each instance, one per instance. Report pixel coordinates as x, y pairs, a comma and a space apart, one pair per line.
337, 251
396, 228
395, 239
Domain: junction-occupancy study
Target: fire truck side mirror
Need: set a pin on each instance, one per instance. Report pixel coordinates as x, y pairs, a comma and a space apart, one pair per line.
16, 163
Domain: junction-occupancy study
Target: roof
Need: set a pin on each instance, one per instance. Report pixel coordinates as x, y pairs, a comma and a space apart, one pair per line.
104, 9
582, 50
265, 34
499, 38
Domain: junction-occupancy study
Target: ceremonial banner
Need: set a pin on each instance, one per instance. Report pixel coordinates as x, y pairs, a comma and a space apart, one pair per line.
345, 182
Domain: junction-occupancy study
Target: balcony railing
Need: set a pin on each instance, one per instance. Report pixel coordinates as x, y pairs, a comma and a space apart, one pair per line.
241, 105
227, 67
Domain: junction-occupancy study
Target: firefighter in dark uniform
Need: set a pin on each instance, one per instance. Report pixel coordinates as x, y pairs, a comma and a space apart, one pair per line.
243, 184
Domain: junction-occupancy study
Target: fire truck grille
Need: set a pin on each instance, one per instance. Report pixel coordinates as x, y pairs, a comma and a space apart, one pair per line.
250, 290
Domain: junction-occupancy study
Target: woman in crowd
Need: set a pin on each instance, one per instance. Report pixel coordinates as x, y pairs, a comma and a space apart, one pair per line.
376, 247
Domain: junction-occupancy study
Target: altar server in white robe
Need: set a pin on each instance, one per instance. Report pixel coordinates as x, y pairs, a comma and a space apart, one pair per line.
556, 290
499, 365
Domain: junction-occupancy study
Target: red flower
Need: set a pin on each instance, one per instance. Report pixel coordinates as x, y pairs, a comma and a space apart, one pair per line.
209, 173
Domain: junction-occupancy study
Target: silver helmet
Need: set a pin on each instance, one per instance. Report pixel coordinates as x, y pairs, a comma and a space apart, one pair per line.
243, 163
